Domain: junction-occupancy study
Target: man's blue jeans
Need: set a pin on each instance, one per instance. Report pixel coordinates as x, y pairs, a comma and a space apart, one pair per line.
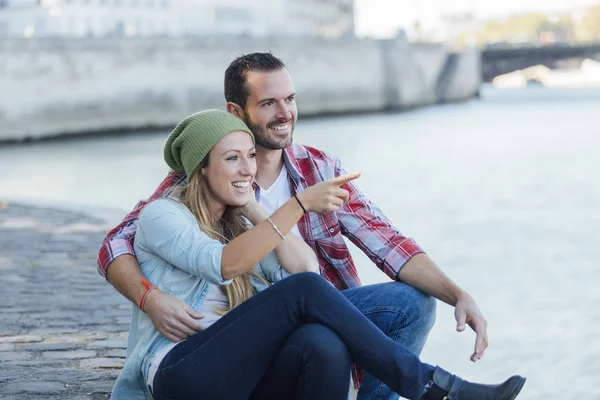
229, 359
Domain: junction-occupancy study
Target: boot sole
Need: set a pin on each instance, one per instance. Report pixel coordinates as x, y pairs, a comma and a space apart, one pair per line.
518, 389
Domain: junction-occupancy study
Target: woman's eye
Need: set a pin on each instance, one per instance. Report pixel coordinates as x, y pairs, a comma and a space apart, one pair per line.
252, 155
232, 158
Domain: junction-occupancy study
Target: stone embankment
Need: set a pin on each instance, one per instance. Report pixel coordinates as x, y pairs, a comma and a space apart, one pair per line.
51, 87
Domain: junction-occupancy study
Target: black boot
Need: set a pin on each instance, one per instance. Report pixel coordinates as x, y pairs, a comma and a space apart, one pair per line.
450, 387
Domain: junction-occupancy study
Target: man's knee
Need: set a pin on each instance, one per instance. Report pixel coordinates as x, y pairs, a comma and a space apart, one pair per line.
422, 310
396, 306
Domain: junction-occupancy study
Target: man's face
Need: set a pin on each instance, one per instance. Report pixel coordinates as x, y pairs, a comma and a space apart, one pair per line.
271, 108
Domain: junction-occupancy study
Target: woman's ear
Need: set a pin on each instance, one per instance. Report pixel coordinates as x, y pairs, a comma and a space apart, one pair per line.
235, 109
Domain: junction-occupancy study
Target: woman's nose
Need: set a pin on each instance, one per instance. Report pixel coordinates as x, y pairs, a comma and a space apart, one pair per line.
248, 167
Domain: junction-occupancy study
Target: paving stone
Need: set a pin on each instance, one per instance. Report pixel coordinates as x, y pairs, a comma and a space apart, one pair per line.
8, 375
14, 356
50, 331
108, 344
70, 375
50, 347
102, 363
21, 339
118, 353
34, 387
97, 386
71, 355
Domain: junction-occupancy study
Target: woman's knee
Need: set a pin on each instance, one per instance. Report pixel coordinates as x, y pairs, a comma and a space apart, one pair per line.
320, 344
305, 280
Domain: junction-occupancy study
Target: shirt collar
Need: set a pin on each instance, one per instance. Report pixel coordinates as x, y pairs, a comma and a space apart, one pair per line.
291, 163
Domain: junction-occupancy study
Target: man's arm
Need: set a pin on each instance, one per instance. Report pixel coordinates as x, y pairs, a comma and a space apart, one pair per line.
403, 259
422, 273
116, 262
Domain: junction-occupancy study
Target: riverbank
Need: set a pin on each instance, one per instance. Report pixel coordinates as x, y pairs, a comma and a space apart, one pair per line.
97, 85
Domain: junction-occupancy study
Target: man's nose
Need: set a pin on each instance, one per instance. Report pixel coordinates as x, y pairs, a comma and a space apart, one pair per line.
283, 111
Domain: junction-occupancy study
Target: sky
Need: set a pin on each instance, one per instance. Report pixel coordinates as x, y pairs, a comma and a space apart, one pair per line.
382, 18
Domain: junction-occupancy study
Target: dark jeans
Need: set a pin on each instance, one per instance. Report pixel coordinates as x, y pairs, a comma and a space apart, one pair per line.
229, 359
403, 313
312, 363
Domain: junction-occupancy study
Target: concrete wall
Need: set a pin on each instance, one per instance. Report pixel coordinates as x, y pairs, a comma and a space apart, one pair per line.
52, 87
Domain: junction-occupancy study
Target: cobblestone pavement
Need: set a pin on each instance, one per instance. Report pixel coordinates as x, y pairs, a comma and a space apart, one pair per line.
63, 328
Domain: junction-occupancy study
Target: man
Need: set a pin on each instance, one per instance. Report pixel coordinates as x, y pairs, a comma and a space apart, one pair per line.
259, 90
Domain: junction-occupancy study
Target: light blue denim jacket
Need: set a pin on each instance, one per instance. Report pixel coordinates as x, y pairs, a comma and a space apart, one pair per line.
175, 255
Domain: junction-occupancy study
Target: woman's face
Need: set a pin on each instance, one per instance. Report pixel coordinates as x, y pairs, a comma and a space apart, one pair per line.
230, 171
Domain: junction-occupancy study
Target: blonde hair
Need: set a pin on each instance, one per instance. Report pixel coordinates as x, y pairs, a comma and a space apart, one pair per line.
195, 197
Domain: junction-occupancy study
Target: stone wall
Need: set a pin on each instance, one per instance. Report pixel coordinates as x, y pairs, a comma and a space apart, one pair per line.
52, 87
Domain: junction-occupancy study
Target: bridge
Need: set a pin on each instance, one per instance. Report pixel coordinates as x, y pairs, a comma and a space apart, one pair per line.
502, 60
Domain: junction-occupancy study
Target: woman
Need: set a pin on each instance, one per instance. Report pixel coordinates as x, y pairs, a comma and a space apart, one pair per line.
197, 247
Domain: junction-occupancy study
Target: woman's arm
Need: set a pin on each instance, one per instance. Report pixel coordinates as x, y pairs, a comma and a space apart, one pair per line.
246, 250
293, 254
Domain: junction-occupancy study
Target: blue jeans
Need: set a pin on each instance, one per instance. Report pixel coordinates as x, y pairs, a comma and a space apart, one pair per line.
229, 359
405, 314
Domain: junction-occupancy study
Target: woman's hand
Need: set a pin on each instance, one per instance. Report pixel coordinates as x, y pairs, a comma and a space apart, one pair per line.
253, 211
327, 195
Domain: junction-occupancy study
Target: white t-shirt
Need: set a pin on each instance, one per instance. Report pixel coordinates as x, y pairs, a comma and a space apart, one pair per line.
277, 194
215, 298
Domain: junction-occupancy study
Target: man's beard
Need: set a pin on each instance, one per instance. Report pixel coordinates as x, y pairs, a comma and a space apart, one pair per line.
262, 138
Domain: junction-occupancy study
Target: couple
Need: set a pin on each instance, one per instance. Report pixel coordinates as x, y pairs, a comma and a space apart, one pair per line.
298, 336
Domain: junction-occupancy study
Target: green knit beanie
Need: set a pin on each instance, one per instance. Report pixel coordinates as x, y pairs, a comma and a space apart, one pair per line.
194, 137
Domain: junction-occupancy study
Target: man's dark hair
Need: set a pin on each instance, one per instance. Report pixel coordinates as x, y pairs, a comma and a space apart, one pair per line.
235, 75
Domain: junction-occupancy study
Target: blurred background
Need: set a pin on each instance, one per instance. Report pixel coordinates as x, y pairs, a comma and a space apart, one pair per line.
475, 125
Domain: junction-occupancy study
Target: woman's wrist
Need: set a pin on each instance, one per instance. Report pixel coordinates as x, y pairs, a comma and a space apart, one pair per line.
255, 213
302, 201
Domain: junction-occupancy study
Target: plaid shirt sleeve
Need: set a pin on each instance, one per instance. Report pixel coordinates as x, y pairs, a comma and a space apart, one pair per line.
119, 240
371, 231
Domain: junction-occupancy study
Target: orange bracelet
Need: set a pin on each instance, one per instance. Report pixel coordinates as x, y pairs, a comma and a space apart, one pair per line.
149, 288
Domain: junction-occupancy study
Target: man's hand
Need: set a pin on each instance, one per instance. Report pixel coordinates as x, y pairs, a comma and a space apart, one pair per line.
171, 316
467, 312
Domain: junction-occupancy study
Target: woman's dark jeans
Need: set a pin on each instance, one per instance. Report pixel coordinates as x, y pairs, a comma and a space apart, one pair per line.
229, 359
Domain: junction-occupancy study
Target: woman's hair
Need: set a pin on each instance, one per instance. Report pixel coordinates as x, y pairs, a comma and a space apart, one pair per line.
195, 197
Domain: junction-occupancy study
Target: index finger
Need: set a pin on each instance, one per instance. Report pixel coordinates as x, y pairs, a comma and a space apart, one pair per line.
343, 179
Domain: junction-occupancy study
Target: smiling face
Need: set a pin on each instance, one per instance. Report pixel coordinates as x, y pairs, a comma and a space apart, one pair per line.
230, 171
270, 110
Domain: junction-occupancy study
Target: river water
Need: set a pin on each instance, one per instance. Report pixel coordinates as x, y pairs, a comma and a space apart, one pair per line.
503, 192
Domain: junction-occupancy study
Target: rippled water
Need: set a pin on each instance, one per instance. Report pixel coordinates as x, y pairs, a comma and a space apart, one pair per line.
503, 193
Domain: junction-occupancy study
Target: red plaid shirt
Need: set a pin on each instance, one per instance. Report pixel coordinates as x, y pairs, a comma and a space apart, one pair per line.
359, 220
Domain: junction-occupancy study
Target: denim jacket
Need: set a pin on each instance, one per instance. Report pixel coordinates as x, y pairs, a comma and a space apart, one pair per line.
177, 257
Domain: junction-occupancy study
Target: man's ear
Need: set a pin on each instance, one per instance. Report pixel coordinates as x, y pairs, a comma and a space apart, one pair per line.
235, 109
